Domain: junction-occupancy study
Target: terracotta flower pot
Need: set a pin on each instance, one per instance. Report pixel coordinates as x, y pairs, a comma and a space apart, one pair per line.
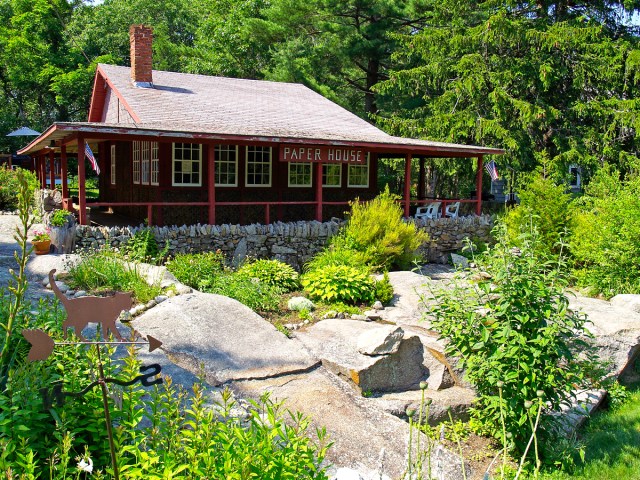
41, 247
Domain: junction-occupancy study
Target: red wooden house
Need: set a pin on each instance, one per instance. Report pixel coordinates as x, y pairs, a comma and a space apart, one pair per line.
180, 148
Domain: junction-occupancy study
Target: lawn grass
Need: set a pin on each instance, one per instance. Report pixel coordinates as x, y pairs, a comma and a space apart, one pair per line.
612, 441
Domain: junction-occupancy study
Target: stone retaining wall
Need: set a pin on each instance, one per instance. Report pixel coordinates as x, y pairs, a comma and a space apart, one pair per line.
293, 243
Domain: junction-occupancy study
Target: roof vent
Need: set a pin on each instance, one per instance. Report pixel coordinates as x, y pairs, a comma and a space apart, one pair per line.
141, 39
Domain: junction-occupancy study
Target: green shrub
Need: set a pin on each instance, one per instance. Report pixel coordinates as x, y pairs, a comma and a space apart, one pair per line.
376, 229
543, 205
338, 253
143, 247
340, 283
272, 272
192, 268
516, 338
9, 186
105, 271
605, 235
59, 218
256, 295
384, 290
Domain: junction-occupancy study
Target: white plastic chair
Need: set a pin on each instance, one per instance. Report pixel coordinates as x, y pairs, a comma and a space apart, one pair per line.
452, 210
430, 211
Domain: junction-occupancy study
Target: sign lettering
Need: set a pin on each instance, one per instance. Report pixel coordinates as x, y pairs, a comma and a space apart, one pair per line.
322, 154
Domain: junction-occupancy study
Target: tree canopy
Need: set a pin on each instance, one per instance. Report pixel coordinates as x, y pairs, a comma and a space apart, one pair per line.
552, 82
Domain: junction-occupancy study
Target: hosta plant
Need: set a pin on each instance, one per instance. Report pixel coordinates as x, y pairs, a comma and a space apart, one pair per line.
272, 272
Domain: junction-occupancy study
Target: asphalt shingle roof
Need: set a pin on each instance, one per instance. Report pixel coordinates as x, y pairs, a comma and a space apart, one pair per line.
237, 106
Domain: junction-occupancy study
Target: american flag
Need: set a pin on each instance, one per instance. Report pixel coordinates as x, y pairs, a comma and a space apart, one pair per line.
492, 170
92, 159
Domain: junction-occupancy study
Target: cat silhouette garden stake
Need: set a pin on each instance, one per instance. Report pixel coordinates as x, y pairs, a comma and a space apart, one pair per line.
102, 310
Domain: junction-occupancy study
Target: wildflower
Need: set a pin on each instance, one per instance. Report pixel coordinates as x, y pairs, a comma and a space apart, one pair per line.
423, 385
86, 465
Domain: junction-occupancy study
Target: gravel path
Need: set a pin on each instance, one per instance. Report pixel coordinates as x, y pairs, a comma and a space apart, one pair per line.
38, 266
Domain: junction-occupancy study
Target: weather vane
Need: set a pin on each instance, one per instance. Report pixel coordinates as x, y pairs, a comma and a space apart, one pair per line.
105, 311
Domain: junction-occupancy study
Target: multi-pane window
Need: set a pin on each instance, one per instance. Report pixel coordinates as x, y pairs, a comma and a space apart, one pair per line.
258, 171
331, 175
358, 175
187, 163
113, 164
136, 162
155, 163
300, 174
144, 163
226, 171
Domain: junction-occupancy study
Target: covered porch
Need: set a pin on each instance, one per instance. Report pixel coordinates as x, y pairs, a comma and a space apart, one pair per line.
210, 197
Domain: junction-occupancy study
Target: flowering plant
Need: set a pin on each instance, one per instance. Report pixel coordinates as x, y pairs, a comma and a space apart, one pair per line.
41, 235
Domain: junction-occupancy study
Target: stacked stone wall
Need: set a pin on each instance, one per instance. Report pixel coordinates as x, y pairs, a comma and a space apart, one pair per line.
294, 243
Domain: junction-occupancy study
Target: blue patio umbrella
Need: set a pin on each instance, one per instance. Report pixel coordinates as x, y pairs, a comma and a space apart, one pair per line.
23, 132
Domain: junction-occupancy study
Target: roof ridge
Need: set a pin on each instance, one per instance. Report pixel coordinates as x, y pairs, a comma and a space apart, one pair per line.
215, 76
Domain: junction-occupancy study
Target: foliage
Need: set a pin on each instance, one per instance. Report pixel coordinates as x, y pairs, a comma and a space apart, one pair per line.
41, 235
552, 82
544, 205
12, 307
383, 289
300, 303
337, 253
274, 273
59, 218
339, 283
516, 338
192, 268
376, 228
606, 228
143, 247
165, 438
104, 270
10, 185
256, 295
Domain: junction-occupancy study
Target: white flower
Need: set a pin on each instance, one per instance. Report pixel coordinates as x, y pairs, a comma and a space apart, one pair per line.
83, 466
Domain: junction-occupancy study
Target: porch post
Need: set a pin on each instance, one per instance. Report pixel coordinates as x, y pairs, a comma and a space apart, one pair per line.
211, 183
43, 171
319, 192
52, 169
479, 186
422, 180
407, 184
63, 171
82, 190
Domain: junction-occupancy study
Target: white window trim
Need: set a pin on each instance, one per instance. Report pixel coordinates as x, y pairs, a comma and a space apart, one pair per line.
145, 163
340, 176
136, 162
113, 165
299, 185
173, 166
235, 166
155, 164
349, 184
246, 169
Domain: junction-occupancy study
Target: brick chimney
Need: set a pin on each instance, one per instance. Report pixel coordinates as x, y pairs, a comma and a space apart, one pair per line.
141, 39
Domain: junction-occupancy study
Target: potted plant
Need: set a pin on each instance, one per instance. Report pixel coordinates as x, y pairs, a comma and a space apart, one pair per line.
41, 241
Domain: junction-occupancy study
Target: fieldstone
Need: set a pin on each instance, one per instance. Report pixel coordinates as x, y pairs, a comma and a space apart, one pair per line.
378, 305
372, 315
150, 304
335, 343
282, 250
330, 314
300, 303
160, 298
240, 252
80, 293
362, 318
380, 341
459, 261
182, 289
